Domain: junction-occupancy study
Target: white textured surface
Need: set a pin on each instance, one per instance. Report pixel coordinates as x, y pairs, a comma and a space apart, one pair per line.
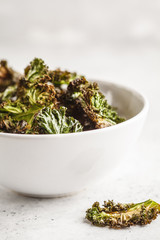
115, 40
63, 218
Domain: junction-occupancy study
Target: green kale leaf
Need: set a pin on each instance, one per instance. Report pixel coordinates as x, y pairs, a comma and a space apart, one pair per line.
36, 70
85, 99
55, 121
123, 215
59, 77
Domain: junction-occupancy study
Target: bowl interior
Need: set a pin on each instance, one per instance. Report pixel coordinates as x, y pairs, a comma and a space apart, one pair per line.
128, 102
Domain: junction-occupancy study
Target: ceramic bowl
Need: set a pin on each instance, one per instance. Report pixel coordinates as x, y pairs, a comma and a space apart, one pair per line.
58, 165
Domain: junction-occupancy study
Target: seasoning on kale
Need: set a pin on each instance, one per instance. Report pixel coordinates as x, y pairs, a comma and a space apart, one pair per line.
123, 215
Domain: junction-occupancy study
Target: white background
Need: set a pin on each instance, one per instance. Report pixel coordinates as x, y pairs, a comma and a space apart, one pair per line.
116, 40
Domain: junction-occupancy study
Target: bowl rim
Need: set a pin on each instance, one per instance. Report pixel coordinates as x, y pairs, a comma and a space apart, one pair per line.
143, 111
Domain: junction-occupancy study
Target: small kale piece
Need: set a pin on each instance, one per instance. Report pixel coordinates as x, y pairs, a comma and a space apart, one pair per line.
14, 118
13, 114
59, 77
8, 124
9, 93
36, 70
41, 94
12, 107
53, 121
8, 76
85, 99
123, 215
36, 88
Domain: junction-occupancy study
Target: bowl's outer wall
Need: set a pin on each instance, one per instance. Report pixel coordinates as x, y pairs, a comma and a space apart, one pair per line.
57, 166
48, 166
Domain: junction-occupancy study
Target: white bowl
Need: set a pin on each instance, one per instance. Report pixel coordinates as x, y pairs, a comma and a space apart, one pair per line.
57, 165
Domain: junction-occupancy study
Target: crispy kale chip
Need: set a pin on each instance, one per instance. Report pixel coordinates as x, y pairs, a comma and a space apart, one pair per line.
123, 215
8, 93
12, 126
53, 121
36, 87
13, 114
60, 78
86, 100
41, 94
36, 70
8, 77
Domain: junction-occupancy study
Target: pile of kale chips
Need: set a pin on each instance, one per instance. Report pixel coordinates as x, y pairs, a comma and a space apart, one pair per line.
44, 101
